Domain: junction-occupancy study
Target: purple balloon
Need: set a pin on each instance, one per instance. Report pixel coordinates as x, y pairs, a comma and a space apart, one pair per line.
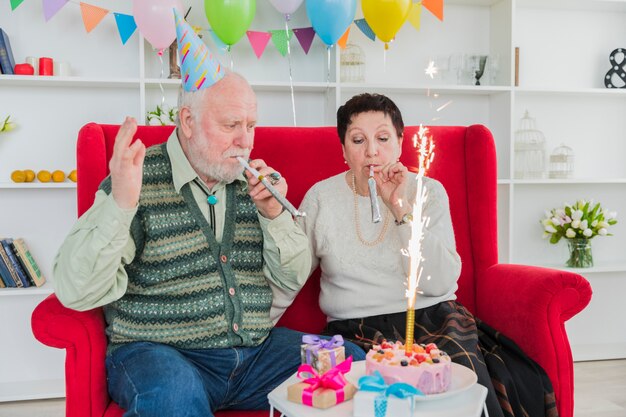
286, 7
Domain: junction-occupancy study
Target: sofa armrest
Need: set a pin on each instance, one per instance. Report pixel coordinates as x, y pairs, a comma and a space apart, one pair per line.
82, 335
531, 305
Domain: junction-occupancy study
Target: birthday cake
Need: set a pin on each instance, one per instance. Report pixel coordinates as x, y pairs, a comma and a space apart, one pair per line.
425, 367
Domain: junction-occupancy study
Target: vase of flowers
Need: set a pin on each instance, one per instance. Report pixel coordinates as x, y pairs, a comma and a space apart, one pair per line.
578, 223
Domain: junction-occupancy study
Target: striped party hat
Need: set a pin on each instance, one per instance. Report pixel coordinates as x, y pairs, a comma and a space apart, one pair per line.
198, 66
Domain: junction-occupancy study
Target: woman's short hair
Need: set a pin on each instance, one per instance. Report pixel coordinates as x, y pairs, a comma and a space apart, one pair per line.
366, 102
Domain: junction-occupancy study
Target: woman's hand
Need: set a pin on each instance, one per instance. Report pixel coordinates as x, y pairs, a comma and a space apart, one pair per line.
391, 180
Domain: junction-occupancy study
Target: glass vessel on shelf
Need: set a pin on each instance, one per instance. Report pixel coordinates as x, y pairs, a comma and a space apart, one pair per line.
352, 64
530, 150
562, 162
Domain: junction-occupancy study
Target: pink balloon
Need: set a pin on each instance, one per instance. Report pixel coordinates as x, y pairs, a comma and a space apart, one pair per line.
155, 20
286, 6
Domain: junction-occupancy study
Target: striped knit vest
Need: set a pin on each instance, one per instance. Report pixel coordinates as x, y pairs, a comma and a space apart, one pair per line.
184, 288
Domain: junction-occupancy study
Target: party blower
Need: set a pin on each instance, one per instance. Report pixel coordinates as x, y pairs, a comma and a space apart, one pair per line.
371, 184
278, 196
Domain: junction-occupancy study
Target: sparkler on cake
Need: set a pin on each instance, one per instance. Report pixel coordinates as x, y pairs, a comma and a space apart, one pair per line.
425, 148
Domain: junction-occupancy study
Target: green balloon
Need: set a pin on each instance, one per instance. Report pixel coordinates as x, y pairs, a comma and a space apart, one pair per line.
230, 18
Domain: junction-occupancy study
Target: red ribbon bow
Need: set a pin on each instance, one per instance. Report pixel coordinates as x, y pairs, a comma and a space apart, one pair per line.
334, 379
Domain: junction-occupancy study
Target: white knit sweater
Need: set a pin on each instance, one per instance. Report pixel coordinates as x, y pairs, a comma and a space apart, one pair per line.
360, 281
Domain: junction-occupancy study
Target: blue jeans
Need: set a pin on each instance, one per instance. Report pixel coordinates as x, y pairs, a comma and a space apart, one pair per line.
152, 379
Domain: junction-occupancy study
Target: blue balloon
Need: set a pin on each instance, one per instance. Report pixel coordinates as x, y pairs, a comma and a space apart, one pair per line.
330, 18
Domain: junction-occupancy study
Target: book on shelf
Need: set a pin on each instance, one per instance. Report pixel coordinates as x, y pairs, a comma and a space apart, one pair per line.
15, 264
7, 62
28, 262
5, 275
8, 265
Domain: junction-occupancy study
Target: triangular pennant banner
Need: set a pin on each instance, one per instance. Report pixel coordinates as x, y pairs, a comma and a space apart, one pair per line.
343, 41
435, 7
92, 15
51, 7
15, 4
415, 15
305, 37
258, 41
365, 28
125, 25
280, 38
219, 44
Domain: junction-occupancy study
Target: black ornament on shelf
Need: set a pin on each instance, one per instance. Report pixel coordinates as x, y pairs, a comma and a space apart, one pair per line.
616, 76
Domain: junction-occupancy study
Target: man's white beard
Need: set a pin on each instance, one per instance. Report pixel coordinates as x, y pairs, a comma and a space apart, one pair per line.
221, 172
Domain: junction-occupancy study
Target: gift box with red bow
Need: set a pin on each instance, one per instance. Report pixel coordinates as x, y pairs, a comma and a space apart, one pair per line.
322, 390
322, 354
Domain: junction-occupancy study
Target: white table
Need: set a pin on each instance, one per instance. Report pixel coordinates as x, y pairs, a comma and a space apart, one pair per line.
469, 403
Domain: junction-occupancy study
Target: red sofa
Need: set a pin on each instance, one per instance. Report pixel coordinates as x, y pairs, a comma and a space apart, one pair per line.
529, 304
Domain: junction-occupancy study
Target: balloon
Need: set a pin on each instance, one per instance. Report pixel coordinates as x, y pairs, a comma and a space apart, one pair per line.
155, 20
330, 18
230, 19
286, 7
386, 17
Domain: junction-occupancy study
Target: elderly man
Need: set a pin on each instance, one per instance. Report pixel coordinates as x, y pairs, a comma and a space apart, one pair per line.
180, 248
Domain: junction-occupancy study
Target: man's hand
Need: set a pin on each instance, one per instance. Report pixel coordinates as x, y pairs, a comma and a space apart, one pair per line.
265, 202
126, 166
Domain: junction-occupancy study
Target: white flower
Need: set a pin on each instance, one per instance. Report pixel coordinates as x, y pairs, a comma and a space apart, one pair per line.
588, 232
577, 214
611, 215
548, 214
550, 228
556, 221
584, 224
576, 224
594, 223
546, 222
603, 224
570, 233
560, 212
603, 232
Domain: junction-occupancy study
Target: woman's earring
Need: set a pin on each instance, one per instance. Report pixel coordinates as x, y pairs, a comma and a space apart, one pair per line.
345, 162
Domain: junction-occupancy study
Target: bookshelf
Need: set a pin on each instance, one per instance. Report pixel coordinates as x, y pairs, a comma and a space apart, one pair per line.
564, 49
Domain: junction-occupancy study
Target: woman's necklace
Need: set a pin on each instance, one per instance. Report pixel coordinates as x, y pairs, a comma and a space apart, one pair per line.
357, 220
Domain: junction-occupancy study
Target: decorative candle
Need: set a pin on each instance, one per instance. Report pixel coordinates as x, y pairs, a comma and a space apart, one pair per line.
425, 148
46, 66
282, 200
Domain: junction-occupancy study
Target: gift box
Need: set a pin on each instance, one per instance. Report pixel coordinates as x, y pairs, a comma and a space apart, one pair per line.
322, 390
377, 399
322, 354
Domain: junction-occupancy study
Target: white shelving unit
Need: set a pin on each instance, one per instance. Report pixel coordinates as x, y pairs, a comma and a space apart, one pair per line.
564, 48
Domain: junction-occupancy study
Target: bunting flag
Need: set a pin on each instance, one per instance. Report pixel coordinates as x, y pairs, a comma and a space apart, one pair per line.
366, 29
258, 41
15, 4
92, 15
280, 38
51, 7
435, 7
343, 41
415, 15
125, 26
305, 37
219, 44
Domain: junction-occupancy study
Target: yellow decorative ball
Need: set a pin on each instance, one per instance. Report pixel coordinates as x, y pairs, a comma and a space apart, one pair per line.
18, 176
30, 175
73, 175
44, 176
58, 176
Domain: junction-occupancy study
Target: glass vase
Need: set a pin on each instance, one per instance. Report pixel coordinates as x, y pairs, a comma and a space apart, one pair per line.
580, 255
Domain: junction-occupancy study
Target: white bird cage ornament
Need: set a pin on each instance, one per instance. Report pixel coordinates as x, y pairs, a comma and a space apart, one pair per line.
562, 162
530, 150
352, 64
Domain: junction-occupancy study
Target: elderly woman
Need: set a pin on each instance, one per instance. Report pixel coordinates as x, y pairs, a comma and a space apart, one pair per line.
364, 273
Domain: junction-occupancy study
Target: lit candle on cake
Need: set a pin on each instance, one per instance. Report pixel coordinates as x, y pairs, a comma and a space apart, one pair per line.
425, 148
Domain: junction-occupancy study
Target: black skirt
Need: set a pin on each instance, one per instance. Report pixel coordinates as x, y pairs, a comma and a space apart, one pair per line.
517, 385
